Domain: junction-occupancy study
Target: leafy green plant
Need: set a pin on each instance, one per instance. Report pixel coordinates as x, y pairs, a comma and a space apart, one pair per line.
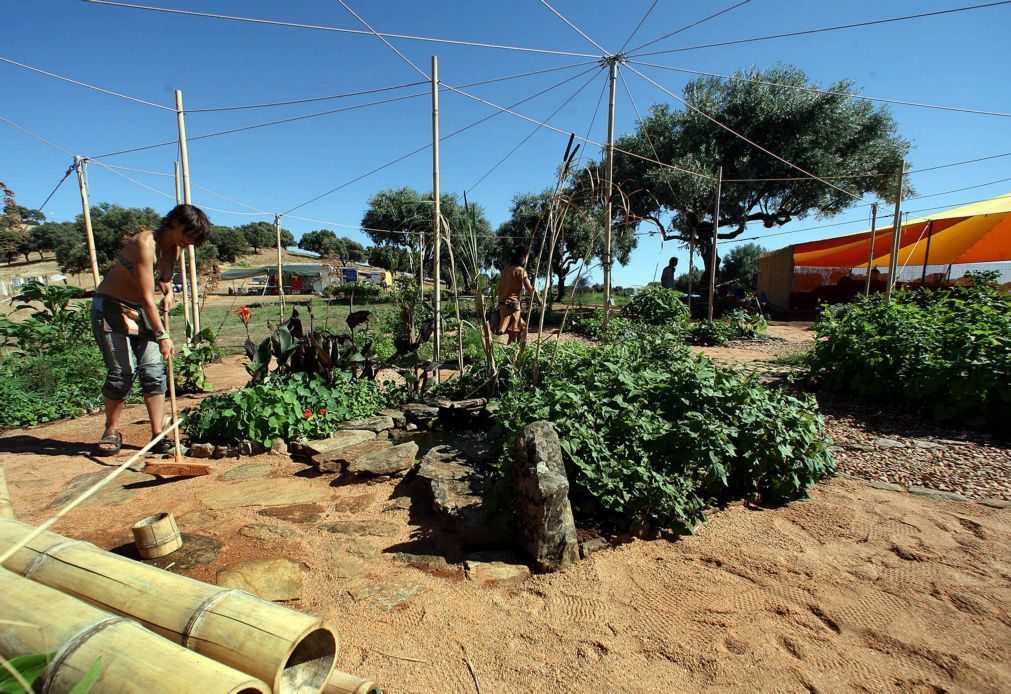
290, 406
56, 326
657, 305
746, 326
710, 333
190, 360
653, 433
946, 354
29, 668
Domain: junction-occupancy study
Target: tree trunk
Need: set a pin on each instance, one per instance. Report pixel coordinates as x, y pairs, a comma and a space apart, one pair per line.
560, 296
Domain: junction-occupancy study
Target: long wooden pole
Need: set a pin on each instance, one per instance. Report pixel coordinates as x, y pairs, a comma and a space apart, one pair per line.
88, 233
870, 253
187, 198
184, 268
280, 270
893, 258
436, 216
609, 170
691, 269
6, 509
172, 400
712, 254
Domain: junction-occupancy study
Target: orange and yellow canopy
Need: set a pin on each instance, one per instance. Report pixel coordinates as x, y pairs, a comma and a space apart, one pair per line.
976, 233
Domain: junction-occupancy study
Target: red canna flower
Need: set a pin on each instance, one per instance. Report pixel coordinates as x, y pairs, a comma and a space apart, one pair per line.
244, 314
308, 413
322, 411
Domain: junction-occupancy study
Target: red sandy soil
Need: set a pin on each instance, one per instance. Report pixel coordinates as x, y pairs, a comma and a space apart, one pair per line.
857, 589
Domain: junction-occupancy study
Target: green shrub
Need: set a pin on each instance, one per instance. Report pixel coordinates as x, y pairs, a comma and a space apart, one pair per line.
710, 333
290, 407
190, 360
656, 305
946, 354
653, 434
746, 326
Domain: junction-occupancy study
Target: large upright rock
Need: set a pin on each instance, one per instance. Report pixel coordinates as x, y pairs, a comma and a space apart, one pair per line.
542, 499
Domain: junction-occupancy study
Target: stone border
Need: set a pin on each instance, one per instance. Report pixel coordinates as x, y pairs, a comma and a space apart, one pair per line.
917, 490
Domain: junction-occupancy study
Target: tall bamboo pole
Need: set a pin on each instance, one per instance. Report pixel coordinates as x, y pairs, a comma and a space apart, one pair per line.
870, 253
609, 153
79, 163
436, 216
280, 270
187, 198
691, 268
183, 267
893, 258
712, 255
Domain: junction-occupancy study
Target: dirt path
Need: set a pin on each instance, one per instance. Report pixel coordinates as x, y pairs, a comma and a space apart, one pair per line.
859, 588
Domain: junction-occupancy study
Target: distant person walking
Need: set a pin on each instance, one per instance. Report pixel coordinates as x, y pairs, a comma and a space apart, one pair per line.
127, 322
511, 284
669, 274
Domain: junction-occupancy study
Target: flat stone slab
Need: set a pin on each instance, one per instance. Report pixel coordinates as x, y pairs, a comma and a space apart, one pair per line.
935, 493
362, 528
888, 443
496, 573
456, 486
345, 567
197, 550
265, 492
295, 513
388, 592
113, 494
996, 503
266, 532
431, 563
271, 579
400, 503
323, 450
375, 424
338, 460
887, 486
389, 461
354, 504
399, 420
246, 471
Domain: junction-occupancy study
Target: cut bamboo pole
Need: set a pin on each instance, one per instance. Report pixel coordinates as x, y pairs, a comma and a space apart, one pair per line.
893, 257
436, 221
184, 268
290, 651
344, 683
712, 255
456, 299
6, 508
608, 192
38, 619
870, 253
86, 211
187, 198
280, 269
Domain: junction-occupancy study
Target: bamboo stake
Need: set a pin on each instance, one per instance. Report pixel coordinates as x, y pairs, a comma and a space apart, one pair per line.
712, 255
290, 651
79, 163
456, 299
280, 270
691, 268
38, 619
188, 199
893, 258
172, 402
183, 267
436, 217
607, 187
870, 253
6, 508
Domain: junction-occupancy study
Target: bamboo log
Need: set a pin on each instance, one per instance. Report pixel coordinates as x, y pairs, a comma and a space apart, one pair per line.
290, 651
6, 508
344, 683
37, 619
156, 536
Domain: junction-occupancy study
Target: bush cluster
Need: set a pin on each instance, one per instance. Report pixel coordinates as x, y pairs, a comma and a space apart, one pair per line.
654, 434
946, 354
290, 407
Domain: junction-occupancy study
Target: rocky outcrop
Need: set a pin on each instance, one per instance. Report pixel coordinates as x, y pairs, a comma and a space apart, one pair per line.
391, 461
457, 486
543, 512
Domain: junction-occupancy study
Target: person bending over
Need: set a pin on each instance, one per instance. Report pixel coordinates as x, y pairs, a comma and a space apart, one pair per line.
127, 322
511, 284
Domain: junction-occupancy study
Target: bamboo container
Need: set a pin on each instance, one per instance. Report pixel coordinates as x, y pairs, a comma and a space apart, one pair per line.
37, 619
345, 683
6, 509
156, 536
290, 651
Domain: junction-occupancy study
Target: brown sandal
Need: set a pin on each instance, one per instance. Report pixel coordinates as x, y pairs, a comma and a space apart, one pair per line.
113, 441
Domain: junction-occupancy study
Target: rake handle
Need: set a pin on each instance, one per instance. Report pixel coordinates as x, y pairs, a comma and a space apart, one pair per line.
172, 396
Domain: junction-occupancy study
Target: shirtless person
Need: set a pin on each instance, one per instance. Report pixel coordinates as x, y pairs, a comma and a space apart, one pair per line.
127, 323
511, 284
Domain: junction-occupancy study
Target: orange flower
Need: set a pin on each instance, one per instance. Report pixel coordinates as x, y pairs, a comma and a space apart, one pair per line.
322, 411
308, 413
244, 314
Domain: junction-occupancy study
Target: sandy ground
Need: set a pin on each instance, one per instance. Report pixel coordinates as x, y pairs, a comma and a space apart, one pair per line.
857, 589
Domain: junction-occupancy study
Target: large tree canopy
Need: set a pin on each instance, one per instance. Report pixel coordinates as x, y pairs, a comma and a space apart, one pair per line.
581, 225
393, 212
740, 266
110, 224
847, 141
327, 244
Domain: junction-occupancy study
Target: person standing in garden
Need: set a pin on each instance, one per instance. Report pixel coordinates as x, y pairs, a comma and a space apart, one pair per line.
511, 284
668, 275
127, 322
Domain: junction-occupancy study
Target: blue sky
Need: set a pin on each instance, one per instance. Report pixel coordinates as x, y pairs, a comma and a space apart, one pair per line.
956, 59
